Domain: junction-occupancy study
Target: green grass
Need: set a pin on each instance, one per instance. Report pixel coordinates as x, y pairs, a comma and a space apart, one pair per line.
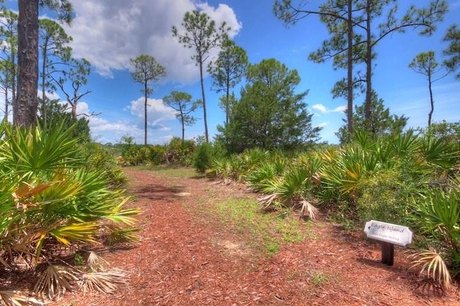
177, 172
267, 231
319, 278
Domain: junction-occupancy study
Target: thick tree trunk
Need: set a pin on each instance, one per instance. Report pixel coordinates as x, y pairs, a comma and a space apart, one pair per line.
350, 69
205, 118
27, 100
430, 114
145, 113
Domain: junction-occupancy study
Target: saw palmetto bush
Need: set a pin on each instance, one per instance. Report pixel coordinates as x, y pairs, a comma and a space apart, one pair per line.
51, 204
293, 188
267, 171
437, 216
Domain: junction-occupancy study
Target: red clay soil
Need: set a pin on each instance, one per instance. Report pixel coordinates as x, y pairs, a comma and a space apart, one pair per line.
188, 259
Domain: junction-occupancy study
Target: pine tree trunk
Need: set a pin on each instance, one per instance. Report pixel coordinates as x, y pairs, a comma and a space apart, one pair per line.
227, 96
350, 69
27, 100
6, 101
430, 114
145, 113
183, 131
13, 81
368, 102
43, 76
205, 118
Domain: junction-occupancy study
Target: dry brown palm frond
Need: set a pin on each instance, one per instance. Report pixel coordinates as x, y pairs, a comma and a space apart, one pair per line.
55, 281
308, 210
96, 262
267, 200
18, 298
433, 266
106, 282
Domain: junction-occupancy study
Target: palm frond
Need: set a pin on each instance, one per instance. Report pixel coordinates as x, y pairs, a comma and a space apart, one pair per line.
17, 298
96, 262
308, 210
76, 232
268, 200
433, 266
55, 281
105, 282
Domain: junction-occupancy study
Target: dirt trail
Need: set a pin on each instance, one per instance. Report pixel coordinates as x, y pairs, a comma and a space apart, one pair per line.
188, 259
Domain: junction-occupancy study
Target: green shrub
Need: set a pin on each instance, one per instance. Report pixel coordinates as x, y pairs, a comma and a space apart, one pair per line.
157, 155
383, 197
98, 158
203, 157
180, 152
51, 199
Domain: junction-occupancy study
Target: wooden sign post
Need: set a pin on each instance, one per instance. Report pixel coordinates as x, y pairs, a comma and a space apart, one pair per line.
389, 235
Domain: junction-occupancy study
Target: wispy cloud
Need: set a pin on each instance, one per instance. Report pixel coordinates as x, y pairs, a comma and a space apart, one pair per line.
415, 103
324, 110
323, 124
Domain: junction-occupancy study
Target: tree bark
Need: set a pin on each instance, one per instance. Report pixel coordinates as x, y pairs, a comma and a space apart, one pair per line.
6, 101
204, 101
45, 59
227, 96
368, 102
350, 69
27, 100
430, 82
13, 81
183, 131
145, 113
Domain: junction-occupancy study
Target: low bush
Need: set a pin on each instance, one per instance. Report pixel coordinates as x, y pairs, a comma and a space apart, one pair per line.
54, 203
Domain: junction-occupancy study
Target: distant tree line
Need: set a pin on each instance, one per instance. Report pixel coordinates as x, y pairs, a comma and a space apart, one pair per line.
268, 112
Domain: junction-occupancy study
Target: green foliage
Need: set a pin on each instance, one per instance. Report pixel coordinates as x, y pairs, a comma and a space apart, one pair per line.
98, 158
381, 122
52, 197
59, 113
176, 152
448, 131
203, 157
227, 71
453, 50
182, 103
270, 115
438, 214
146, 70
200, 34
268, 232
403, 178
180, 152
384, 197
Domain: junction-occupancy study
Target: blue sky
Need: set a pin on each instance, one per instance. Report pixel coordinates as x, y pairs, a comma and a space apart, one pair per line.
109, 33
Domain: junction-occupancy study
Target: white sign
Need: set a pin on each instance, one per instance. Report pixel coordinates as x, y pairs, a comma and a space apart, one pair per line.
387, 232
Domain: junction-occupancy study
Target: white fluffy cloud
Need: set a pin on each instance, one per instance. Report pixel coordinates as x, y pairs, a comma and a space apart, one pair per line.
157, 112
109, 33
324, 110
